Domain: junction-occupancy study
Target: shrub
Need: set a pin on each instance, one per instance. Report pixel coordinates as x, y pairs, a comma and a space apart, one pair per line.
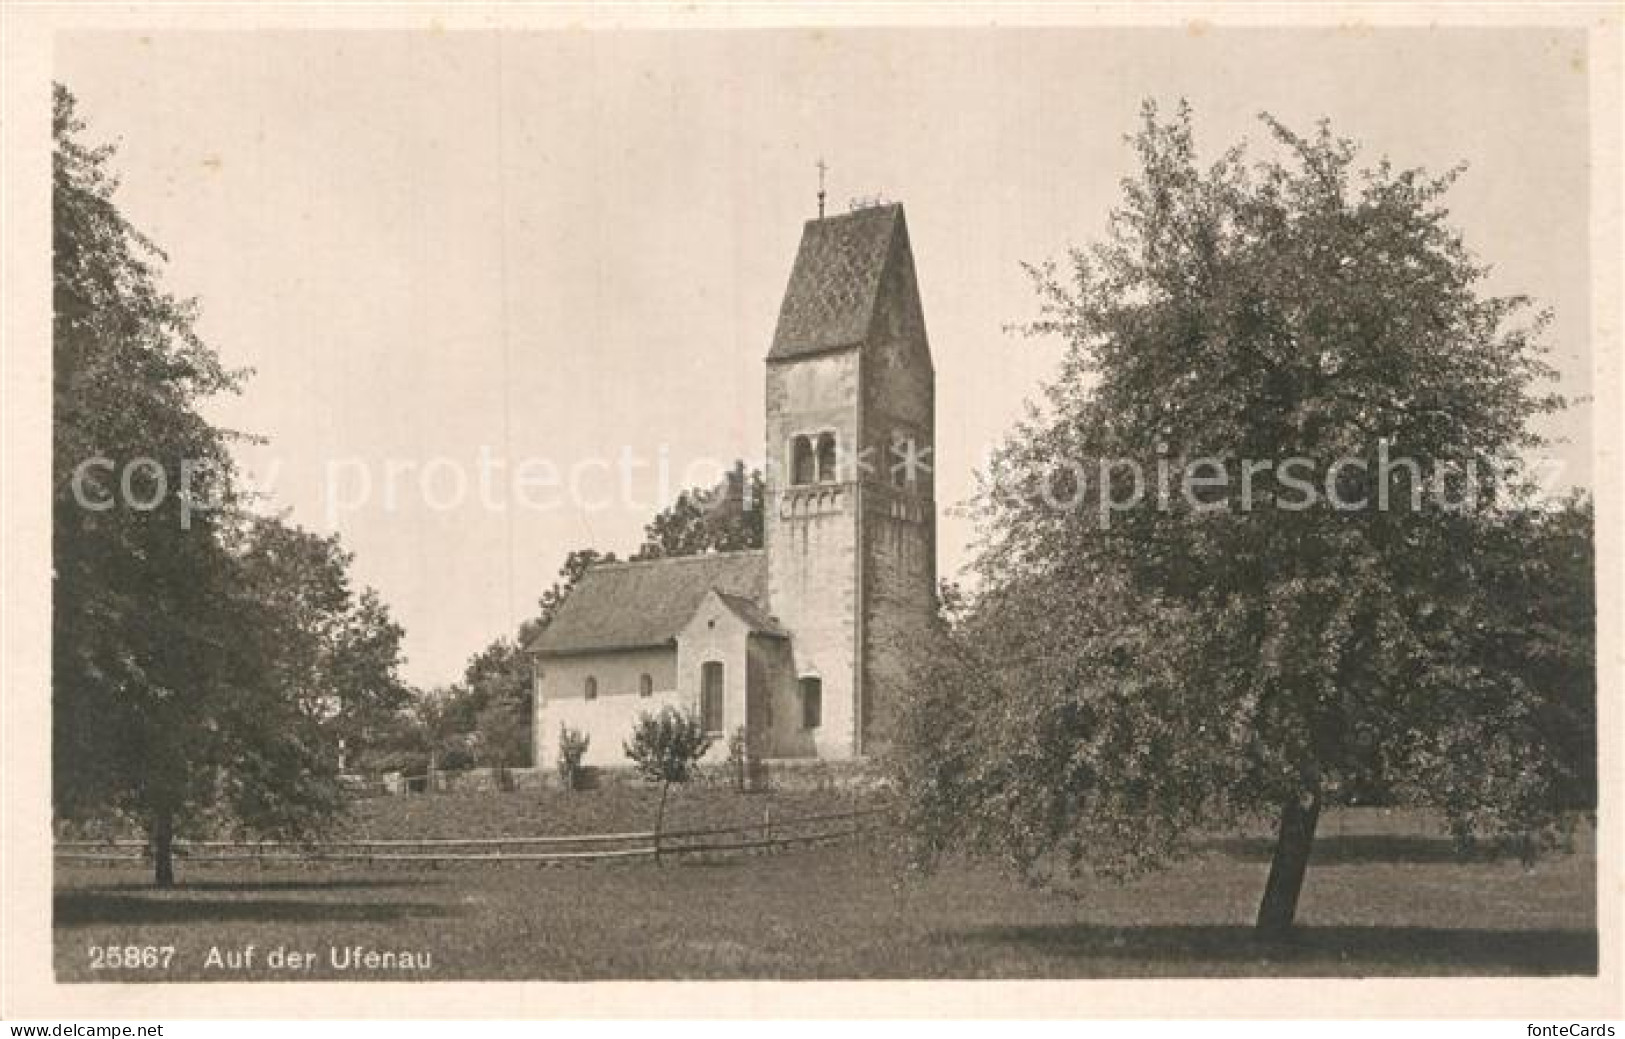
573, 745
406, 762
459, 757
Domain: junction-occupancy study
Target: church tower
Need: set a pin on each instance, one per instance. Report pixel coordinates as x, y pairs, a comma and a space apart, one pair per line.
850, 526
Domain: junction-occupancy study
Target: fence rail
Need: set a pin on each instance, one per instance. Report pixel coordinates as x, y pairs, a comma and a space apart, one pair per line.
635, 845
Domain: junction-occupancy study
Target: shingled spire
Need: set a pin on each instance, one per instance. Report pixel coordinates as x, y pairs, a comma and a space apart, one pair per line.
836, 282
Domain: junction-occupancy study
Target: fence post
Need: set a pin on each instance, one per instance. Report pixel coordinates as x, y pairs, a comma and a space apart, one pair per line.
767, 822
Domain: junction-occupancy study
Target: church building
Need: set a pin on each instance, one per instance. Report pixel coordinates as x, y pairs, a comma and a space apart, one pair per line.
802, 644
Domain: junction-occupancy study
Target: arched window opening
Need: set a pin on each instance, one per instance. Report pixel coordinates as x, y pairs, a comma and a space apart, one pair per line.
801, 461
589, 688
646, 685
711, 696
826, 458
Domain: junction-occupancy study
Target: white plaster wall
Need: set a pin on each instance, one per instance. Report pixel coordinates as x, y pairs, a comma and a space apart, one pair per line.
607, 721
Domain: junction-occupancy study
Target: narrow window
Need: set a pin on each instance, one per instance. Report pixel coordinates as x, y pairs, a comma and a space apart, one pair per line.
812, 703
711, 695
801, 460
589, 688
826, 458
646, 685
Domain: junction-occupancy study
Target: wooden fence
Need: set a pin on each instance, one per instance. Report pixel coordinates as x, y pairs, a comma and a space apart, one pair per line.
769, 834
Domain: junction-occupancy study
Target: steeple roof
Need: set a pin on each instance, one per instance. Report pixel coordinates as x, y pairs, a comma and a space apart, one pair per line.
836, 282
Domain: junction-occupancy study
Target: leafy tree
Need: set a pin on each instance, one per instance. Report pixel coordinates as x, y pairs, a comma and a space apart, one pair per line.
724, 518
443, 728
1538, 627
504, 735
131, 605
398, 744
666, 746
576, 563
1131, 674
312, 669
363, 676
495, 699
338, 652
204, 661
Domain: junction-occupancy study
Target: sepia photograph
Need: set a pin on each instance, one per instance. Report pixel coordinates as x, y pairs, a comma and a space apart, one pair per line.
837, 501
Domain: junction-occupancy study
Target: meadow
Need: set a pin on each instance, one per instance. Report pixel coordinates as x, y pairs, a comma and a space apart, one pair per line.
1386, 895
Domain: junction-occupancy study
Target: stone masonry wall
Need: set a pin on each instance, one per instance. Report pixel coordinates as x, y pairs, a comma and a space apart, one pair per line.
811, 537
899, 522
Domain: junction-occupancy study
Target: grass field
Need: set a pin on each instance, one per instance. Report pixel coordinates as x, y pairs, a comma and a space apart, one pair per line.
1385, 896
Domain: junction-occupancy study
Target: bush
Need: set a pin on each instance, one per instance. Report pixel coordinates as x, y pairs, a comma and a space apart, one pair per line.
573, 745
456, 758
406, 762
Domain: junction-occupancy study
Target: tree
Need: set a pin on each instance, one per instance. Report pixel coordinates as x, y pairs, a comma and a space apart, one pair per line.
1136, 668
443, 728
338, 652
196, 649
1537, 566
724, 518
504, 735
126, 613
142, 595
496, 690
666, 747
275, 737
576, 564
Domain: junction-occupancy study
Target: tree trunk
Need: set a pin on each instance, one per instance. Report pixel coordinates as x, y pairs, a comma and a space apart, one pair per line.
660, 819
1293, 844
163, 849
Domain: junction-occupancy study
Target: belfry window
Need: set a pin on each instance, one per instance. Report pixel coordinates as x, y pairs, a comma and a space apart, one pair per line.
826, 458
802, 463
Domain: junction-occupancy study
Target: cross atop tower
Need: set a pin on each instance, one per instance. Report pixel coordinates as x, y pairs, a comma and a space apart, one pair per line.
822, 169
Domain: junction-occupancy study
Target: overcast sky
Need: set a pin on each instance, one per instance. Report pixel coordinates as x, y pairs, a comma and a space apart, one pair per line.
562, 245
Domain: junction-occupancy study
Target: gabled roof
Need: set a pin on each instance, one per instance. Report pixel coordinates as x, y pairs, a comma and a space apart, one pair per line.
639, 605
830, 301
